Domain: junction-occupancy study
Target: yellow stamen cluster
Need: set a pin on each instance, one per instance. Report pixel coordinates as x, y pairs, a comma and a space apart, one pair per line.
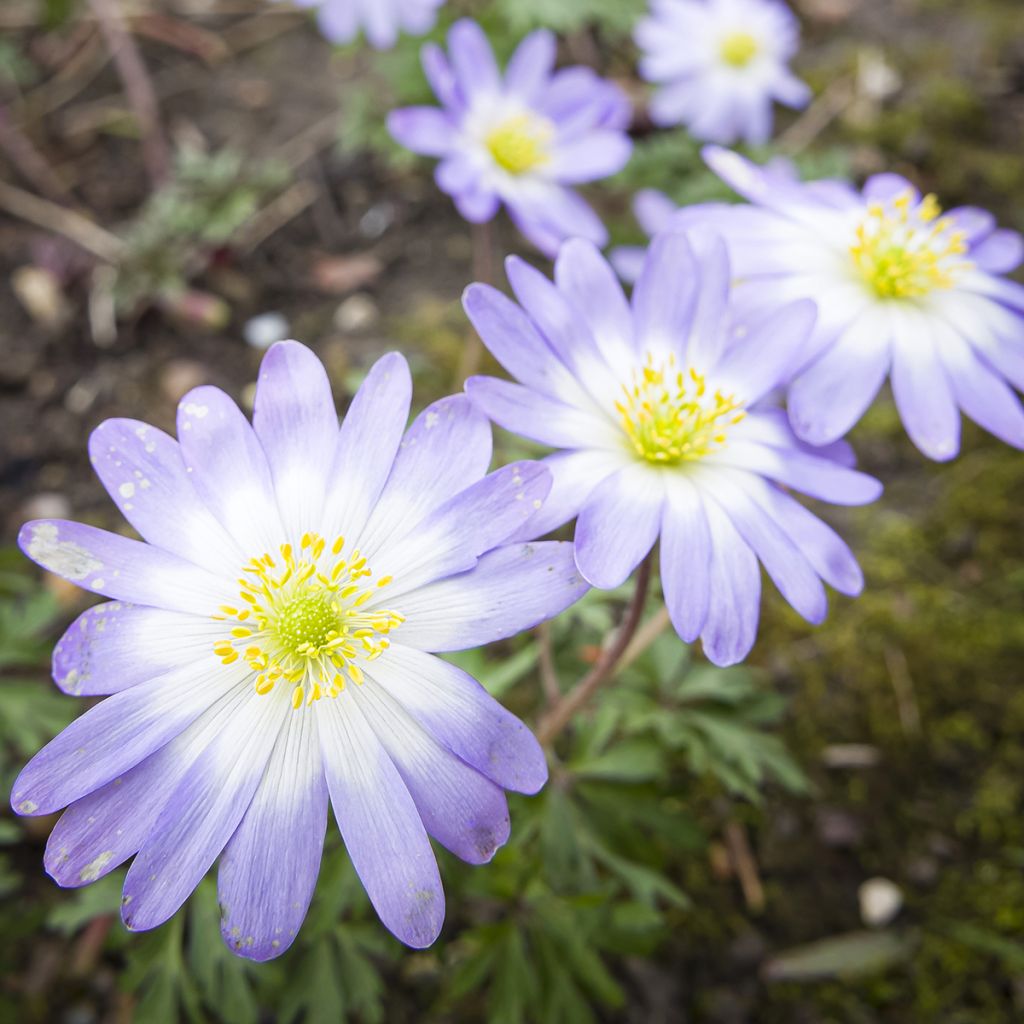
670, 416
302, 621
519, 143
905, 250
738, 49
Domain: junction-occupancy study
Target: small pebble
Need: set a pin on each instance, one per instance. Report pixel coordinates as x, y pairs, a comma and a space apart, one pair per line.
262, 331
356, 313
880, 901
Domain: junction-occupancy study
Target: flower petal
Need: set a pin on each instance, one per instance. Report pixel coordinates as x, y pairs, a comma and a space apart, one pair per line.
734, 606
370, 435
229, 469
425, 130
464, 811
202, 813
381, 826
268, 872
117, 734
785, 563
297, 425
104, 828
832, 394
665, 297
144, 472
685, 558
456, 709
923, 394
511, 589
542, 419
584, 277
590, 157
618, 525
124, 569
472, 59
447, 448
112, 646
530, 67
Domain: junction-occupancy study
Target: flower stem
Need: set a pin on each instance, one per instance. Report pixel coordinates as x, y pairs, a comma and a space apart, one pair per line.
482, 236
559, 716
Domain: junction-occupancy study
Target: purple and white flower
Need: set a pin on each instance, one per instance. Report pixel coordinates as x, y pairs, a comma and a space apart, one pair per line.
903, 290
381, 20
267, 648
521, 138
720, 65
655, 405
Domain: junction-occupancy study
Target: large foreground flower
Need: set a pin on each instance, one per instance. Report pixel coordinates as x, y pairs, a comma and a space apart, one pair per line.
522, 138
381, 20
266, 648
721, 64
903, 291
655, 404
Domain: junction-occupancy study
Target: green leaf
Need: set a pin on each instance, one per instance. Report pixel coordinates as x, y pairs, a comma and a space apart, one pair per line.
842, 956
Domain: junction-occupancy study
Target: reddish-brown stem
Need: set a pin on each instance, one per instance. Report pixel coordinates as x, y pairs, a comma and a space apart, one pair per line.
558, 717
138, 87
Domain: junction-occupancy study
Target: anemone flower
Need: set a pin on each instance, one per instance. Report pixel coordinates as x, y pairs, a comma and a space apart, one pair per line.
267, 648
904, 291
720, 64
521, 138
655, 407
381, 20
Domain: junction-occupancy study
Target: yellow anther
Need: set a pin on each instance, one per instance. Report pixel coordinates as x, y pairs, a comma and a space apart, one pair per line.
669, 417
520, 143
907, 251
738, 49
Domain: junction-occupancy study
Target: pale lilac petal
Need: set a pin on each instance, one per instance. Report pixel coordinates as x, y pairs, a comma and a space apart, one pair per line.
531, 65
370, 435
514, 341
1000, 253
618, 525
103, 829
785, 564
462, 809
595, 155
665, 297
563, 327
439, 74
202, 813
575, 474
828, 553
763, 359
460, 713
734, 606
425, 130
685, 558
882, 188
229, 469
553, 215
813, 475
708, 333
268, 872
832, 394
542, 419
511, 590
337, 21
589, 283
472, 59
653, 210
112, 646
297, 425
972, 222
447, 448
126, 570
982, 394
117, 734
477, 207
453, 536
924, 396
144, 472
381, 826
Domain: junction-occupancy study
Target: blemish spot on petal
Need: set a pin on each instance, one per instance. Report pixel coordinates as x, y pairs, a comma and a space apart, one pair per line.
126, 490
94, 868
27, 806
62, 557
431, 420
